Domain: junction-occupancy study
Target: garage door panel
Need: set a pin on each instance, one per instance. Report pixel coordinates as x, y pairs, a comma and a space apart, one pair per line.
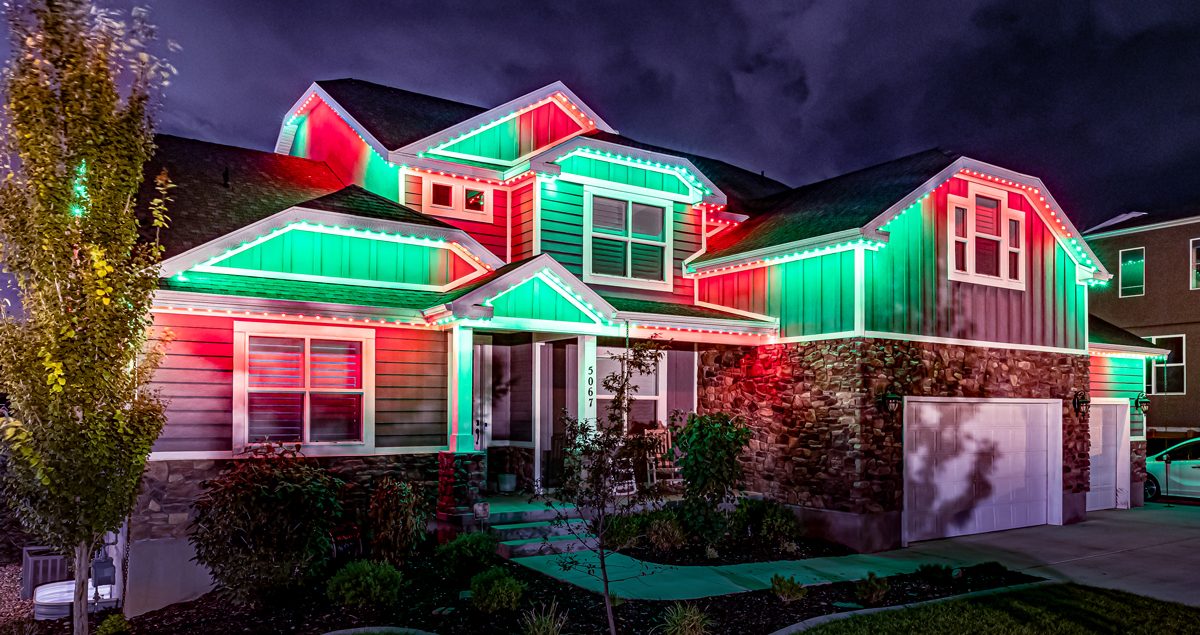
1102, 430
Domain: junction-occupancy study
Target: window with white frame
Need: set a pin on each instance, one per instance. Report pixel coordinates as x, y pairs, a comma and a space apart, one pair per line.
455, 198
649, 405
627, 239
1132, 272
987, 238
1167, 376
311, 385
1194, 271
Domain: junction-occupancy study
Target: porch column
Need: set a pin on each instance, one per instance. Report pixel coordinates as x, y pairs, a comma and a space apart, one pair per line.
589, 379
461, 381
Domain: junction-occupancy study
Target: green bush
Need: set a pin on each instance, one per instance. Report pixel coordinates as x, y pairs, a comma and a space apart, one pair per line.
684, 619
495, 590
761, 517
787, 588
114, 624
665, 534
779, 522
399, 515
262, 526
548, 622
711, 446
624, 531
467, 554
364, 582
934, 573
871, 590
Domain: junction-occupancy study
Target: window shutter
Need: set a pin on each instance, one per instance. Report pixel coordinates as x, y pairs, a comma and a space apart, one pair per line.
608, 215
335, 364
276, 362
608, 257
647, 262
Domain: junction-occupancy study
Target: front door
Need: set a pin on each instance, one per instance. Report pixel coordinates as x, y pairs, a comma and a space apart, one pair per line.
1183, 474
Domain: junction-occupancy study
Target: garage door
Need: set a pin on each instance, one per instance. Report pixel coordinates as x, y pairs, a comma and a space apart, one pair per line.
1102, 427
975, 466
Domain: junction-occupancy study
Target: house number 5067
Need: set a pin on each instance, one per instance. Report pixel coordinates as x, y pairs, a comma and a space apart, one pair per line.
591, 386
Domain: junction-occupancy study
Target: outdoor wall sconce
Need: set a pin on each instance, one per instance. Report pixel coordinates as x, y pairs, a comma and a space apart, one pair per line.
1080, 403
891, 402
1142, 403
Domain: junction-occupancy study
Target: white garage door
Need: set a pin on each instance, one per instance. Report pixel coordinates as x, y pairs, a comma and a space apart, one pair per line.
976, 466
1102, 427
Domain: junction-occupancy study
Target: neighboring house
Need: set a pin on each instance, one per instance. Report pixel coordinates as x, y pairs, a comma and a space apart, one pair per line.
1155, 293
414, 286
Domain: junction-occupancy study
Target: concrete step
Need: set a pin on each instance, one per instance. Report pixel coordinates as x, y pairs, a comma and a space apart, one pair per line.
541, 529
542, 546
531, 515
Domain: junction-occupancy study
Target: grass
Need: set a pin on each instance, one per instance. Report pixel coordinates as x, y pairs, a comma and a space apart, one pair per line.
1060, 609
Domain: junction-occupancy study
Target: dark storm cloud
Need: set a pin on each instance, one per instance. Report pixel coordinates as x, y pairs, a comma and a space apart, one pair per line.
1100, 99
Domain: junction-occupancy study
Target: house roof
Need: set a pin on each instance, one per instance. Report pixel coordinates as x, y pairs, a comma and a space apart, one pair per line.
396, 117
844, 202
356, 201
1104, 332
300, 291
204, 207
672, 309
1137, 220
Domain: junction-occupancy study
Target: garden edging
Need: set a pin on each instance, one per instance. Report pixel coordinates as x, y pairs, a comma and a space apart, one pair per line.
821, 619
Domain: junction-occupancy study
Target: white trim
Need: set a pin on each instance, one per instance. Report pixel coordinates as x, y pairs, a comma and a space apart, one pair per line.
592, 314
1121, 275
976, 343
1194, 270
1154, 364
1054, 453
667, 245
463, 305
242, 331
538, 183
481, 390
660, 370
816, 337
1145, 228
860, 290
796, 249
283, 143
458, 198
440, 151
186, 302
588, 380
769, 326
726, 309
460, 371
1146, 351
632, 189
1124, 437
537, 417
185, 455
969, 204
528, 324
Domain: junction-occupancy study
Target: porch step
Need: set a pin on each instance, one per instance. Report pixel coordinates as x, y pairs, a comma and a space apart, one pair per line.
541, 546
529, 515
541, 529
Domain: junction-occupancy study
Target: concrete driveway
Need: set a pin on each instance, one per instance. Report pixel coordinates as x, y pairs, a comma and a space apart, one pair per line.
1152, 551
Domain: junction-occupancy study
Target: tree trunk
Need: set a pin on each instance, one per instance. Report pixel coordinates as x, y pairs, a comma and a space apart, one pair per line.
80, 608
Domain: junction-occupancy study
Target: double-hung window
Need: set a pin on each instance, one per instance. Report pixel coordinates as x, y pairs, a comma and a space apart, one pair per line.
649, 406
987, 239
627, 239
1169, 376
1132, 272
309, 385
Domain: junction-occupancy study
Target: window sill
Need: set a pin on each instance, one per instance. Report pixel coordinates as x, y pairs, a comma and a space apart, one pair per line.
633, 283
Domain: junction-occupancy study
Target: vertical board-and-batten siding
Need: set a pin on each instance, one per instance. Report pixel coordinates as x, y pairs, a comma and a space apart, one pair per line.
197, 378
325, 136
522, 222
909, 292
509, 140
493, 236
562, 233
811, 296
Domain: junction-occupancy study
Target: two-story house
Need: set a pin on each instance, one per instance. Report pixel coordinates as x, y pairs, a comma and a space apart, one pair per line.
1155, 258
414, 286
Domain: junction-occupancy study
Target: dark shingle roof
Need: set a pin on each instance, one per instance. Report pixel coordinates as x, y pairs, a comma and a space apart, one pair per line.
204, 208
1102, 332
672, 309
1150, 218
738, 184
356, 201
843, 202
394, 116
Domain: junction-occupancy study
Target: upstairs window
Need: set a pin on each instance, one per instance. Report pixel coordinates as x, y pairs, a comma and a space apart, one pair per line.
1133, 272
627, 240
1169, 376
1194, 272
454, 198
987, 239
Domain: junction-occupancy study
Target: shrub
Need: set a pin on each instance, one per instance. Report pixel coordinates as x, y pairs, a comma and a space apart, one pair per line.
262, 525
684, 619
548, 622
787, 588
934, 573
495, 590
624, 531
114, 624
710, 552
711, 445
665, 534
467, 554
789, 546
987, 570
761, 517
364, 582
779, 522
399, 514
871, 590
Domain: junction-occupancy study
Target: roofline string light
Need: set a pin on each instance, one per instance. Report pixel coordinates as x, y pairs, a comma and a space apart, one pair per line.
297, 316
683, 172
793, 256
299, 112
1126, 355
559, 286
691, 330
578, 114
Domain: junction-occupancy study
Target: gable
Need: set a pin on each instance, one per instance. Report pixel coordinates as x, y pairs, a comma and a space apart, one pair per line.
536, 299
514, 137
624, 174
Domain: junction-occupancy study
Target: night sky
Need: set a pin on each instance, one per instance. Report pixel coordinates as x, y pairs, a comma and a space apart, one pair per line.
1101, 100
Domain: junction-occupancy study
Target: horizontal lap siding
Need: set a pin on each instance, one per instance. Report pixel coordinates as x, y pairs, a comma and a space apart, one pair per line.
196, 378
1120, 378
493, 236
562, 224
413, 191
687, 242
908, 290
410, 388
522, 222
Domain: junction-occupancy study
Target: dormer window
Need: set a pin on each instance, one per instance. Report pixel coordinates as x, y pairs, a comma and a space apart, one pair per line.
987, 239
454, 198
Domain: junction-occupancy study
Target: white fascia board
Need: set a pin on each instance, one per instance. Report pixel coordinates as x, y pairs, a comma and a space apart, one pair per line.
450, 168
284, 145
493, 114
1146, 228
1119, 218
544, 161
522, 273
872, 229
643, 320
786, 249
213, 248
1148, 351
200, 304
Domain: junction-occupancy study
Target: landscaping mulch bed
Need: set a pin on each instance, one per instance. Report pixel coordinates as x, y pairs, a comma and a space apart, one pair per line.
311, 614
12, 609
756, 549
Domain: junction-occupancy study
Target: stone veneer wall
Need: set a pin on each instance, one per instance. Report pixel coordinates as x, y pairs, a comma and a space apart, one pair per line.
170, 487
820, 440
1137, 462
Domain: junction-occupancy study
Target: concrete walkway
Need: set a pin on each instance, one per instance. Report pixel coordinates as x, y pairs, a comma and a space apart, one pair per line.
1153, 551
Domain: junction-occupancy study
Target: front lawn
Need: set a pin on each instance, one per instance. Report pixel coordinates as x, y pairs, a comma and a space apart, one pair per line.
1061, 609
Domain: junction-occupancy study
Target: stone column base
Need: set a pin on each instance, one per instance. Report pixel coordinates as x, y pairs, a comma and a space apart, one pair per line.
864, 533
